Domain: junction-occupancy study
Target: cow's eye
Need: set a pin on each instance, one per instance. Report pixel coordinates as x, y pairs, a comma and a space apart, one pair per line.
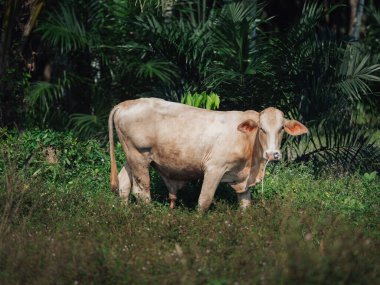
263, 130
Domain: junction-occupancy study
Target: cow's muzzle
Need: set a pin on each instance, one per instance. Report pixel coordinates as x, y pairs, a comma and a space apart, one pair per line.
274, 155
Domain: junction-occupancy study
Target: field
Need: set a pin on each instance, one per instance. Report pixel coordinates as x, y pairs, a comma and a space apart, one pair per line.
60, 224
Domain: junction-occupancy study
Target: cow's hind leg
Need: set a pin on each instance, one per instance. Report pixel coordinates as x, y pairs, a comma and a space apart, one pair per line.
210, 183
141, 187
140, 179
125, 182
173, 187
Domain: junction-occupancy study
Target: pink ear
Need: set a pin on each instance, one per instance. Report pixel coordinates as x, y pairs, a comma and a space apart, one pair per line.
247, 126
294, 128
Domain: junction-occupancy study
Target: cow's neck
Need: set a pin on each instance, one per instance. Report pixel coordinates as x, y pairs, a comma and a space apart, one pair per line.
257, 168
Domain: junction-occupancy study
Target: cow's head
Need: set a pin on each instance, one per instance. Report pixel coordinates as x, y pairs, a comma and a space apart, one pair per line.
272, 126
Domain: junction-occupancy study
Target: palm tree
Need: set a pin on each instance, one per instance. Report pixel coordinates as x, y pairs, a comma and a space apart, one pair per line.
322, 81
115, 51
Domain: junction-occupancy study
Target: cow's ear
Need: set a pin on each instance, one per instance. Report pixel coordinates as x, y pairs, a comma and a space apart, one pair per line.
248, 126
294, 128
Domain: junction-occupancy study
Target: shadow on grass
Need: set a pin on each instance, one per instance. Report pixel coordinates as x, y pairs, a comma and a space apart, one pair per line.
188, 196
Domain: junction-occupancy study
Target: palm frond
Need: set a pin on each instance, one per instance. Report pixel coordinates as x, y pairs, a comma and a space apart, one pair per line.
328, 79
311, 14
238, 55
63, 30
349, 150
43, 95
89, 125
183, 41
355, 72
156, 68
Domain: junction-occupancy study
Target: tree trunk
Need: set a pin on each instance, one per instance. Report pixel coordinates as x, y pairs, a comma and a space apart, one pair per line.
35, 10
253, 32
12, 12
167, 9
357, 7
7, 27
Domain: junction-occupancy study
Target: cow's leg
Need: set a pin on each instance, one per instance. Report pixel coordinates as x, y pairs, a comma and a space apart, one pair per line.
173, 187
210, 183
243, 194
245, 199
139, 165
141, 183
125, 182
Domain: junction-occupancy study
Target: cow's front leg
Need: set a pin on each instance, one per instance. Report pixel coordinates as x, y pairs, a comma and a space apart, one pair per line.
210, 183
243, 194
245, 199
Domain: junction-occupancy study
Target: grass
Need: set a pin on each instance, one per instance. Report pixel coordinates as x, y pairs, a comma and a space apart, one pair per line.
61, 225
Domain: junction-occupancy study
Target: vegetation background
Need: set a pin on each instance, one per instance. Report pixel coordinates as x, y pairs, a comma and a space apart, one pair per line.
64, 64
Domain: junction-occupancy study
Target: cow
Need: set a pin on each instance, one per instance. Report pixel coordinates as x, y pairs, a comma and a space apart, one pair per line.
184, 143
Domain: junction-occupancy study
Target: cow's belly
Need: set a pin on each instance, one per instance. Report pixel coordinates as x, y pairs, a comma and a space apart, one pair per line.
179, 173
176, 162
185, 171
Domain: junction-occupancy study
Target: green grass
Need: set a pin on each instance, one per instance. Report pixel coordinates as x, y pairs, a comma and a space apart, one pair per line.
60, 224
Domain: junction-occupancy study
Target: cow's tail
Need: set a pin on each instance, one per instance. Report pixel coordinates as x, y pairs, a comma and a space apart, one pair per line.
113, 176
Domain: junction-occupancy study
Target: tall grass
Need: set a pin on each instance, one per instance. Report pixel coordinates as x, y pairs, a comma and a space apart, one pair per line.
70, 229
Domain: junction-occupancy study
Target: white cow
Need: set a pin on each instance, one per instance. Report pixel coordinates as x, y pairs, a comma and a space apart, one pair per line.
185, 143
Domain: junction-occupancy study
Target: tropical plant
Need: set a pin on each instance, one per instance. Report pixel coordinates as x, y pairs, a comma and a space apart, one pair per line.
9, 16
78, 50
89, 125
372, 39
240, 54
202, 100
329, 80
63, 30
44, 96
119, 49
17, 22
180, 45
